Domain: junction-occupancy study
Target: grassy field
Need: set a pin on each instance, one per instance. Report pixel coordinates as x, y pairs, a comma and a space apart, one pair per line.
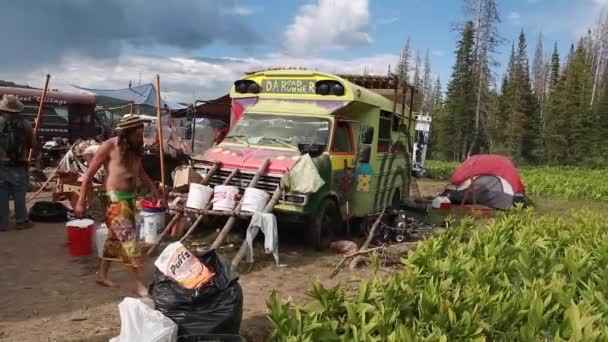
537, 274
526, 276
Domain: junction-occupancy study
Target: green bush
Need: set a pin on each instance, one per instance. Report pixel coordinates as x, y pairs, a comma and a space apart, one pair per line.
525, 277
440, 170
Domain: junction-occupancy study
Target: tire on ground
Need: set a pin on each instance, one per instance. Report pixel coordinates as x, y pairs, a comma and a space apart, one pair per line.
325, 224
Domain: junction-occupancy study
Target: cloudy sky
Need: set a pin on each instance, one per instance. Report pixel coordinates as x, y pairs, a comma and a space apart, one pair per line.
199, 47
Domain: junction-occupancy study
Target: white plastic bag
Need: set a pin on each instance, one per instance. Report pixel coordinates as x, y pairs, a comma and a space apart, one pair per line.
303, 177
139, 322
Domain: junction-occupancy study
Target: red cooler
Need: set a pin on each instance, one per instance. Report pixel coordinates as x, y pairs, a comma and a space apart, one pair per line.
80, 237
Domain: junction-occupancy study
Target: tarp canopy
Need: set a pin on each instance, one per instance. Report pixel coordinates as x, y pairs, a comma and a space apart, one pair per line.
144, 94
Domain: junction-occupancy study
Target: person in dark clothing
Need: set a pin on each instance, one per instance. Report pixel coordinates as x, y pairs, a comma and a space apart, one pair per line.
16, 140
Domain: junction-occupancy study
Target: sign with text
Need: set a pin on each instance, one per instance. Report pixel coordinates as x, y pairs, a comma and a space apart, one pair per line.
30, 99
287, 86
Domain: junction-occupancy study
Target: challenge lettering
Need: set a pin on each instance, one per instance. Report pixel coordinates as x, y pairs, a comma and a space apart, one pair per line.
297, 87
180, 260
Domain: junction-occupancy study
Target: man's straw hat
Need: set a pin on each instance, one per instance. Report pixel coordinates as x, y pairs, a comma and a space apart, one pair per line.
130, 121
10, 103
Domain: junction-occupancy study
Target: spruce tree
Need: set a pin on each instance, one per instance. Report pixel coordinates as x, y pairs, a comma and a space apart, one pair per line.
532, 151
418, 83
602, 123
556, 143
459, 110
427, 84
577, 96
434, 111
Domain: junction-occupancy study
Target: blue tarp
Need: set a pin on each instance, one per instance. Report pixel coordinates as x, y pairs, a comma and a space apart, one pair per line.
144, 94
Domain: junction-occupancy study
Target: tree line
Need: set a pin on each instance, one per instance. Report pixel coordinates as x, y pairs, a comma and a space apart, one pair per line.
550, 111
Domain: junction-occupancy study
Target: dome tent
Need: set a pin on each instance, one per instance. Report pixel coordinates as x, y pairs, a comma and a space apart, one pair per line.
486, 179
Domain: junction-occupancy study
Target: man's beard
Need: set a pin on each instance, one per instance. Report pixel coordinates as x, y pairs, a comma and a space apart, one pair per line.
135, 149
132, 152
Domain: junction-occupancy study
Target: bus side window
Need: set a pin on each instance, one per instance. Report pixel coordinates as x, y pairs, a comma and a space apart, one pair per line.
343, 138
384, 132
396, 123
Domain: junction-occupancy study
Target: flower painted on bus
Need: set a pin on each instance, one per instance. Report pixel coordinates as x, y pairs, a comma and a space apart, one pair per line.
364, 177
363, 182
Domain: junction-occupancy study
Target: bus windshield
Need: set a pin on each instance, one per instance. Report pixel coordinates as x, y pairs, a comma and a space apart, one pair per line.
280, 130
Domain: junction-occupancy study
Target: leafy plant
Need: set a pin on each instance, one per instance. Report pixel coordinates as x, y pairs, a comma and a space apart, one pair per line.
524, 277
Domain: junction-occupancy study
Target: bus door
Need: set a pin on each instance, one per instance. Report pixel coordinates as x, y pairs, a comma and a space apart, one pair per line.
343, 161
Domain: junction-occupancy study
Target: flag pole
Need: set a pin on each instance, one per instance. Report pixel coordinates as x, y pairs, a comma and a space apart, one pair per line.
39, 116
159, 127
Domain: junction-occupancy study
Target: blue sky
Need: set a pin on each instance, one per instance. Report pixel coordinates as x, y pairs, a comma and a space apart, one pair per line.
429, 23
202, 46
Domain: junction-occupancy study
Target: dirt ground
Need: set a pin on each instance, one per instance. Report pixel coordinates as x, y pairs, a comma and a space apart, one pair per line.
48, 295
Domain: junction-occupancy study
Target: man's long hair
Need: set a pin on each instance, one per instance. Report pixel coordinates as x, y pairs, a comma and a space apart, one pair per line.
128, 150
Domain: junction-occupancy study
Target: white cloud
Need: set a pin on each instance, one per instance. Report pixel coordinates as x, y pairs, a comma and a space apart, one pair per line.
242, 10
389, 20
329, 24
185, 79
514, 17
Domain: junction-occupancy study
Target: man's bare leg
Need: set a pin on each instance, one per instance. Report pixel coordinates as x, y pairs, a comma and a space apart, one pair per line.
102, 274
136, 285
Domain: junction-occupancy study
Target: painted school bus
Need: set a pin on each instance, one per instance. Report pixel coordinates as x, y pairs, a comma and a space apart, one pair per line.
357, 139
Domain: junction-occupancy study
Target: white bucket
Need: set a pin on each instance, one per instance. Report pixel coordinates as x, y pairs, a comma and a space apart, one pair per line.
198, 196
224, 197
254, 200
153, 224
101, 234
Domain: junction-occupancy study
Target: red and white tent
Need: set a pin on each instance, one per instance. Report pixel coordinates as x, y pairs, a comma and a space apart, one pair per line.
486, 179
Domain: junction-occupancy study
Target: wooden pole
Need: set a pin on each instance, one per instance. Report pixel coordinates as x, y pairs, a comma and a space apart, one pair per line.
161, 150
130, 107
357, 259
232, 220
173, 221
208, 206
39, 116
409, 124
177, 217
267, 209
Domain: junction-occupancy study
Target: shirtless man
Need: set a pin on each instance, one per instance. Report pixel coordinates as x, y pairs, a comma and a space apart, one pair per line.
122, 159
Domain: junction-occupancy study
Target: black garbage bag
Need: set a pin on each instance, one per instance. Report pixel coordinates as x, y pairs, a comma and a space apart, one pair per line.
44, 211
212, 309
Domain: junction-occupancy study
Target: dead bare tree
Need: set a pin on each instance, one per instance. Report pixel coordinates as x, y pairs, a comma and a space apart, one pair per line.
403, 68
600, 54
539, 77
427, 84
486, 41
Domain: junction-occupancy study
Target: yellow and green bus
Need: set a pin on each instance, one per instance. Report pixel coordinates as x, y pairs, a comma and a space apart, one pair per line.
356, 137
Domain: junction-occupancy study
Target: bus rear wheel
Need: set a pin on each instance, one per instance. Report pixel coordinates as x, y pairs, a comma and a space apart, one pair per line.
325, 224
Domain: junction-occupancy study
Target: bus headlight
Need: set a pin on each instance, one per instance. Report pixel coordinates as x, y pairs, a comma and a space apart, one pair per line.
297, 199
247, 86
329, 88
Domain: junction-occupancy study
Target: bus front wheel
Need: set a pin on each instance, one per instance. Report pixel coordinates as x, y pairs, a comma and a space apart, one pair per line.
325, 224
